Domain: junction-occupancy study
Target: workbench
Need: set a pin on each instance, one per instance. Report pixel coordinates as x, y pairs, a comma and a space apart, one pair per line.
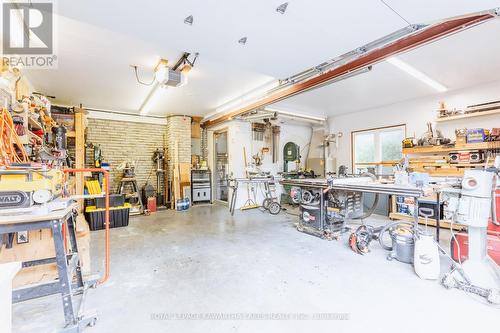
70, 281
268, 182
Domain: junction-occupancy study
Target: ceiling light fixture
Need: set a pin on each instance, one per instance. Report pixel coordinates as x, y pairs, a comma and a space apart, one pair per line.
416, 73
242, 40
282, 8
189, 20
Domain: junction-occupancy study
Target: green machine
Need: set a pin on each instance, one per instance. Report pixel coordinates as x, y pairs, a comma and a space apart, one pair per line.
291, 153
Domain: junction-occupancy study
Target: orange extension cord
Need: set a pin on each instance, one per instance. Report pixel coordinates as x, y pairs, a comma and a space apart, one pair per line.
8, 152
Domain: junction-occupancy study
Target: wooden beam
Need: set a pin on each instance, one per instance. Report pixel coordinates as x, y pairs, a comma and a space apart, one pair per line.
404, 44
79, 151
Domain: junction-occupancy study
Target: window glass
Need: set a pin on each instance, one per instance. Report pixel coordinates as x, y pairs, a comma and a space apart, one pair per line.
390, 144
375, 149
365, 147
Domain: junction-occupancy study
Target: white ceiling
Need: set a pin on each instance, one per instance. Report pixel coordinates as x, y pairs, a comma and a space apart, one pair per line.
463, 60
98, 40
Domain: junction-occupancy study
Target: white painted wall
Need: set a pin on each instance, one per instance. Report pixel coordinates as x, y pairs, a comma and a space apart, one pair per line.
415, 114
240, 135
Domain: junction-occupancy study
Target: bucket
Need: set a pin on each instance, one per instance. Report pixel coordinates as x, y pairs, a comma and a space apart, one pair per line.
182, 204
403, 245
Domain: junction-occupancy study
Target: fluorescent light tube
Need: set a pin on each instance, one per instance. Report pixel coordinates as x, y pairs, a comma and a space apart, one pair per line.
152, 99
294, 114
416, 74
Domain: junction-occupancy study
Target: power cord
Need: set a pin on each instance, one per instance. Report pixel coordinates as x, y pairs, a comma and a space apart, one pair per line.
138, 79
459, 265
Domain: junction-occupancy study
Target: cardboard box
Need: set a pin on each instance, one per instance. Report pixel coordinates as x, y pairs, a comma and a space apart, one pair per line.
475, 135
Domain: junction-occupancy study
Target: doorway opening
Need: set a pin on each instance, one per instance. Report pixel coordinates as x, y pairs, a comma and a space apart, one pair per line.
221, 176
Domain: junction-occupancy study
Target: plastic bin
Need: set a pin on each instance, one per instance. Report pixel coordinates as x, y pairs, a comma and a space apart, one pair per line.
115, 200
118, 216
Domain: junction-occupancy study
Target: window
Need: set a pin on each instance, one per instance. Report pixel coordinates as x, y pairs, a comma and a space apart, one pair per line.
376, 149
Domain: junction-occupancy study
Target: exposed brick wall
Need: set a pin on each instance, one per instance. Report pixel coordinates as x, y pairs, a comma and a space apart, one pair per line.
179, 130
123, 140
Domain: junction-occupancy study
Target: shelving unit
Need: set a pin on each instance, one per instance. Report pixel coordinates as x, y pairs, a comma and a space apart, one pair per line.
431, 222
470, 115
443, 223
383, 163
447, 149
433, 159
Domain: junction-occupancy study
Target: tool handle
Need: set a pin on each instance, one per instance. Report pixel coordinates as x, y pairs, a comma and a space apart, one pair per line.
425, 212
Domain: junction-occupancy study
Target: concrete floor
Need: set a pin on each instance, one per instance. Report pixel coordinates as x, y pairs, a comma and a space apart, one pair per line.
205, 261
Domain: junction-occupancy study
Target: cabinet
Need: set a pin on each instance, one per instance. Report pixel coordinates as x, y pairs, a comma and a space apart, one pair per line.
201, 189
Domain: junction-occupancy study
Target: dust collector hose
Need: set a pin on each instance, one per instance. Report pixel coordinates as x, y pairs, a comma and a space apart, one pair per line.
375, 201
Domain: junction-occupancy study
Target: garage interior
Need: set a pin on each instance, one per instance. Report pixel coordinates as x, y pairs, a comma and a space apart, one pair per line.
243, 166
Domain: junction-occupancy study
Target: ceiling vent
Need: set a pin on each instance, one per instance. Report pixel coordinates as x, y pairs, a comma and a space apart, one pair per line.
282, 8
189, 20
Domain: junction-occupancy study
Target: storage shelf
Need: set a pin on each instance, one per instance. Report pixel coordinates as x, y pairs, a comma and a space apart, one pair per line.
468, 115
432, 222
384, 163
447, 149
442, 172
35, 125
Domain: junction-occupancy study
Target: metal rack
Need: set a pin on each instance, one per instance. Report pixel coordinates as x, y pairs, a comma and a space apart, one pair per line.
70, 282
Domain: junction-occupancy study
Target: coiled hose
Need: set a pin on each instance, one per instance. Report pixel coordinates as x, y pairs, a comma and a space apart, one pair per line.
375, 201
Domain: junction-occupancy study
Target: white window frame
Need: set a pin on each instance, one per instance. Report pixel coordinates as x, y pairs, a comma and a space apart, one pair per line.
378, 147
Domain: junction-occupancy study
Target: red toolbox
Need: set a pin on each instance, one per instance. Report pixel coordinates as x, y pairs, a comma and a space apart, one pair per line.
463, 242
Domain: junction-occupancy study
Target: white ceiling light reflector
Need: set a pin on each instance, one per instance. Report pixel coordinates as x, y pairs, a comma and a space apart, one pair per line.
416, 74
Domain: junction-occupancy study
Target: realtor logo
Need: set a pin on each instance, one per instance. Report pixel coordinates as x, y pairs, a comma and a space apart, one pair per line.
28, 34
27, 28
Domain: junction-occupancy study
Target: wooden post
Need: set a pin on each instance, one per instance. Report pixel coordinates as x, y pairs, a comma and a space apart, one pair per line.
80, 119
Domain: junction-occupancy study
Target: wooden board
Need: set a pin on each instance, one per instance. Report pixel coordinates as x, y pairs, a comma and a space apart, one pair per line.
386, 163
447, 149
195, 130
176, 176
79, 152
443, 223
469, 115
185, 172
441, 172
